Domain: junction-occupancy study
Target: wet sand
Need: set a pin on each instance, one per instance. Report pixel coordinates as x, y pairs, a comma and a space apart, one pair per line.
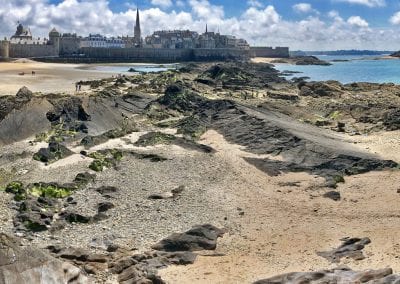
50, 77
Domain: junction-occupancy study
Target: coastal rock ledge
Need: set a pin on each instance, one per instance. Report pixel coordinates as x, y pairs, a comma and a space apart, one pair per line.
335, 276
20, 264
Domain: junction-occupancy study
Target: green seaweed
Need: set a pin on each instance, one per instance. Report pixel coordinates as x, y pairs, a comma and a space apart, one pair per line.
49, 190
155, 138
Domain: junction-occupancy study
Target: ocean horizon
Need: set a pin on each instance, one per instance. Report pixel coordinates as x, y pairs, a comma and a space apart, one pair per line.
348, 69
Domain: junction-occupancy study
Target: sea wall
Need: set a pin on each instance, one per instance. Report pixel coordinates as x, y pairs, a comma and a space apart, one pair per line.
280, 52
163, 55
32, 50
203, 54
138, 54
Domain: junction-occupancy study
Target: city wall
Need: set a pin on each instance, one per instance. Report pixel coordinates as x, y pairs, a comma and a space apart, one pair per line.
137, 54
278, 52
163, 55
32, 50
70, 53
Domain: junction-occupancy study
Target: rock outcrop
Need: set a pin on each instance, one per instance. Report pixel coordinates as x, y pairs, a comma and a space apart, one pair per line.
334, 276
25, 264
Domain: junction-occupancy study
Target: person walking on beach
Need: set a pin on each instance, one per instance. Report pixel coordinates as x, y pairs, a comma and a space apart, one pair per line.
76, 87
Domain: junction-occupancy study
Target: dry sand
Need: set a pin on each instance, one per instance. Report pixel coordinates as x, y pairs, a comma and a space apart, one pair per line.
264, 59
284, 226
50, 77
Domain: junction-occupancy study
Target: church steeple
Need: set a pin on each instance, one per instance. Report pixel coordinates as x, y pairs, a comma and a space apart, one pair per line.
138, 32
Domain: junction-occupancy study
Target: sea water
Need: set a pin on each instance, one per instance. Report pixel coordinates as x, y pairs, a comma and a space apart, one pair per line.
355, 69
124, 68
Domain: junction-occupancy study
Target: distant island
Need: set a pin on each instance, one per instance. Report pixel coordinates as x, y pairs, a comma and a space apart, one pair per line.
341, 52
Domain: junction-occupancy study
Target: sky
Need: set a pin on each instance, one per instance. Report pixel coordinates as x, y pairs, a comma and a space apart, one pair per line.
299, 24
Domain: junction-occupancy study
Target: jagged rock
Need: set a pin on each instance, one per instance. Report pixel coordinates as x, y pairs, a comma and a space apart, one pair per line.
67, 110
391, 120
55, 151
334, 276
20, 264
350, 248
142, 268
105, 206
83, 179
309, 60
23, 95
320, 89
334, 195
203, 237
9, 103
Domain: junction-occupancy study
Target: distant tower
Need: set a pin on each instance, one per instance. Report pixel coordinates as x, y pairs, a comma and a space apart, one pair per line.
5, 49
138, 32
206, 28
54, 40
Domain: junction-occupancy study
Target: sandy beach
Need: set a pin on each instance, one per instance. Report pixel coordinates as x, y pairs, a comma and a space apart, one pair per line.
49, 77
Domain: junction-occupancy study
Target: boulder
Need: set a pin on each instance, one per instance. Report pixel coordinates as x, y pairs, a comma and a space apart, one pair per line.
20, 264
351, 248
203, 237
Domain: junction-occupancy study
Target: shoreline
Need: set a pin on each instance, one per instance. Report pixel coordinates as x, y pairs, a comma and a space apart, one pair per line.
252, 158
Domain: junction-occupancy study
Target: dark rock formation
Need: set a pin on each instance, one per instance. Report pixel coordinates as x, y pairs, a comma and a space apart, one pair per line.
54, 152
9, 103
67, 109
263, 137
309, 60
391, 120
320, 89
198, 238
350, 248
334, 195
240, 75
334, 276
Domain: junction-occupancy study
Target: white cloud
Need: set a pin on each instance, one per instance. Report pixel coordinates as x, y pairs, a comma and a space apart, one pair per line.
358, 22
303, 8
259, 25
254, 3
395, 19
162, 3
369, 3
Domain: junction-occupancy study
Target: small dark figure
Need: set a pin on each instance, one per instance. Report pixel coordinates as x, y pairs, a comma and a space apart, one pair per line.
33, 73
76, 87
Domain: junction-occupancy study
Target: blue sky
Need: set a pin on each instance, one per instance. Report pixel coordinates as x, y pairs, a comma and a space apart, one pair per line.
300, 24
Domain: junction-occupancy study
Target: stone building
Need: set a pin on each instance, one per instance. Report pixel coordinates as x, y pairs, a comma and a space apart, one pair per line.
23, 44
172, 39
22, 34
97, 40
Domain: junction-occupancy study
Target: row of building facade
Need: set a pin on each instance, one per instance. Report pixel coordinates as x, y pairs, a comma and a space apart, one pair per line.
23, 44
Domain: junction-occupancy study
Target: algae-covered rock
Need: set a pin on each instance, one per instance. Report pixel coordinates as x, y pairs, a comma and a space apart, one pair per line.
155, 138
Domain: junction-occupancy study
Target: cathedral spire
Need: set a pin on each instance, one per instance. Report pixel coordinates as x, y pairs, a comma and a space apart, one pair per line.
138, 32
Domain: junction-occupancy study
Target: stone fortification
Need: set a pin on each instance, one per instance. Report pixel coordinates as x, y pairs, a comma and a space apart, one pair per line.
32, 50
164, 54
270, 52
